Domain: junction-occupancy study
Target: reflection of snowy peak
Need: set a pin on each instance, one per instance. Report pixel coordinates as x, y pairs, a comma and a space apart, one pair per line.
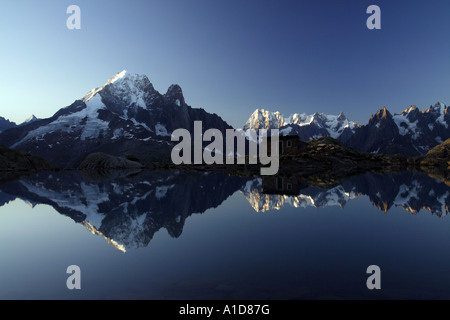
125, 116
410, 191
308, 197
128, 212
307, 127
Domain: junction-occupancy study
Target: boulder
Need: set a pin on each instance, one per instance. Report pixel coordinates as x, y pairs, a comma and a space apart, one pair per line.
105, 161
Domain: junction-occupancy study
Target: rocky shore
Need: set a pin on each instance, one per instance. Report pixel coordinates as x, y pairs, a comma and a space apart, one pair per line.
324, 159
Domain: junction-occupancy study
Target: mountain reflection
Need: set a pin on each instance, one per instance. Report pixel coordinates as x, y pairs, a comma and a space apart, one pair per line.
128, 210
411, 191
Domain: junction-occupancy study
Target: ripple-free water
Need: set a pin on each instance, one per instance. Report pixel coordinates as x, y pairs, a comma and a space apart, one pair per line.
174, 235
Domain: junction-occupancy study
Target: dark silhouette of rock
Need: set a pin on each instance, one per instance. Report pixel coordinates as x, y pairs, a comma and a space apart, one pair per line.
105, 161
14, 160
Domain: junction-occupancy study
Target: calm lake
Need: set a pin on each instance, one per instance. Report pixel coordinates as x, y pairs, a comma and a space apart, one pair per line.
179, 235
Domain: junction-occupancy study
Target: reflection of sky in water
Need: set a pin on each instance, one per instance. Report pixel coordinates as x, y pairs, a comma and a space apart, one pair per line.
232, 252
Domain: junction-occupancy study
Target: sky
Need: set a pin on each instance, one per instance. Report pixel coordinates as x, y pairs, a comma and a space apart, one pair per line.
229, 56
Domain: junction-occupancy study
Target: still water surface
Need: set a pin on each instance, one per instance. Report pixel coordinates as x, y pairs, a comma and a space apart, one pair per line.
176, 235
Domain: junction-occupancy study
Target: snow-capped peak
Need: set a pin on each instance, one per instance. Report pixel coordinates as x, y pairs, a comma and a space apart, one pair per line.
117, 76
113, 79
30, 119
264, 119
300, 119
441, 107
333, 124
409, 110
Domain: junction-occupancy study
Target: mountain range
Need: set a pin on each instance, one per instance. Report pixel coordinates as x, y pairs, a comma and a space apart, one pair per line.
411, 133
127, 116
6, 124
307, 127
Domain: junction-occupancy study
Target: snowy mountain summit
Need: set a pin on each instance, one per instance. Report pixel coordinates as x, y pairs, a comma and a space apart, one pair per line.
126, 115
411, 132
307, 127
129, 92
30, 119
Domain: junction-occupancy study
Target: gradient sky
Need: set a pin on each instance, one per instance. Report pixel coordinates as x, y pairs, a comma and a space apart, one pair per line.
229, 56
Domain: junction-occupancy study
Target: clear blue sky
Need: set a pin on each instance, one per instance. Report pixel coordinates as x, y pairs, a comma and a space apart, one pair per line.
229, 56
